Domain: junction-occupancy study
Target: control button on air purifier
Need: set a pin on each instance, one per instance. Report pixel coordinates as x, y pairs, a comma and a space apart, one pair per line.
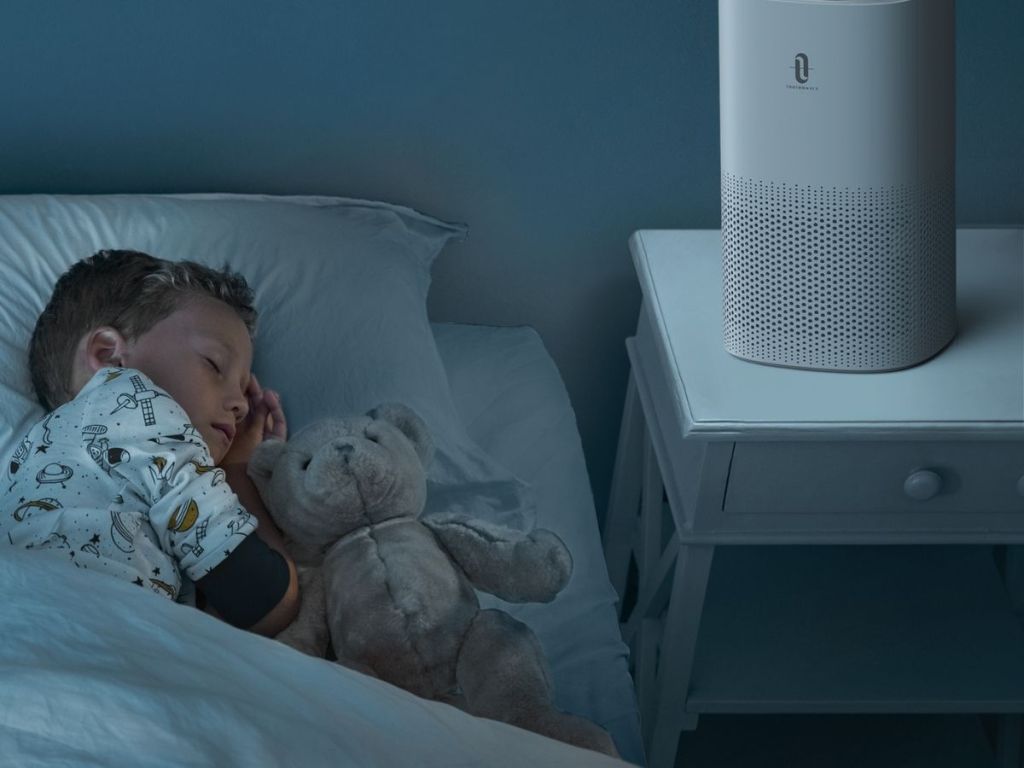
922, 484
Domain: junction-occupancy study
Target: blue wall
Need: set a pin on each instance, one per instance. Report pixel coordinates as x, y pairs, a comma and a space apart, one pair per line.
553, 129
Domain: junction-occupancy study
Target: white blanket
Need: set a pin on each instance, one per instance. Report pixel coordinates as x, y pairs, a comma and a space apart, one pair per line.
96, 671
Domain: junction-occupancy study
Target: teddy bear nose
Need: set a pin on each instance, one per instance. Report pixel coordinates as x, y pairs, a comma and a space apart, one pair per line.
345, 449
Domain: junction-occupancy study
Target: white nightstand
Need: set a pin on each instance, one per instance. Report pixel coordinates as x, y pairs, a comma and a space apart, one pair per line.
717, 451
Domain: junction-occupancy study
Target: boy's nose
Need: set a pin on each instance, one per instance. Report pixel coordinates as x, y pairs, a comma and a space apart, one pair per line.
240, 407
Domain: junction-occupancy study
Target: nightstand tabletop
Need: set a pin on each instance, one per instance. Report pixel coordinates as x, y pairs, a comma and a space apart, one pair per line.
973, 389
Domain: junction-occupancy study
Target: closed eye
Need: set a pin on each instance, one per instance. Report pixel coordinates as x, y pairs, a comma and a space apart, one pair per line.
212, 364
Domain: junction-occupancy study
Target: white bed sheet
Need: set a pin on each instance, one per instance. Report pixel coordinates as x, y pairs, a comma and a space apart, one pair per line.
514, 404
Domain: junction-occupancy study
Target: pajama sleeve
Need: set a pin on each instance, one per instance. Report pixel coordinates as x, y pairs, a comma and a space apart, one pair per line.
165, 463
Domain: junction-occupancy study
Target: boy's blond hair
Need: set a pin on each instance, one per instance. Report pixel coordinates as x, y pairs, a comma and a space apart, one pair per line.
128, 290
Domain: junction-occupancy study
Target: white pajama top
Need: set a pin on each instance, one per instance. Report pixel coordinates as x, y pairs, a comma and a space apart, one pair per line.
118, 481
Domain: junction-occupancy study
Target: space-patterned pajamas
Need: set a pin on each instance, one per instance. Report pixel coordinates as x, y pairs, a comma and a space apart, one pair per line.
118, 481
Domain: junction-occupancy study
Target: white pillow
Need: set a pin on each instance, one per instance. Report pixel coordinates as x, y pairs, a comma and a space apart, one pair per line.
340, 286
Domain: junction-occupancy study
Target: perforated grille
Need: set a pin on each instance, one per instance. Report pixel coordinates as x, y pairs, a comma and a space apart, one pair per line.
833, 278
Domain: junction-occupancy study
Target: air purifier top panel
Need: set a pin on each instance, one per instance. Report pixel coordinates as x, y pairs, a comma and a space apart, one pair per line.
815, 92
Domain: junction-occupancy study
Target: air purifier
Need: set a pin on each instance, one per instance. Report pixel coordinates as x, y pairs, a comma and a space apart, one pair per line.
837, 139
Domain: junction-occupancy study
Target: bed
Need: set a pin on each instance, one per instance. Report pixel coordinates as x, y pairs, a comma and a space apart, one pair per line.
96, 671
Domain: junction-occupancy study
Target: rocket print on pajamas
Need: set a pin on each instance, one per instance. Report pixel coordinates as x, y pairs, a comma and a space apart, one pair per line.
119, 481
99, 447
21, 454
19, 458
187, 432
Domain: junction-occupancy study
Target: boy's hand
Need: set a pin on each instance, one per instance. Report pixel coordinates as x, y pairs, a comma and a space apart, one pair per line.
265, 420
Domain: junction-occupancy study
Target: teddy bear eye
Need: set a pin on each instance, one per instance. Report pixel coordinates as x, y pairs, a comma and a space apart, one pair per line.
305, 463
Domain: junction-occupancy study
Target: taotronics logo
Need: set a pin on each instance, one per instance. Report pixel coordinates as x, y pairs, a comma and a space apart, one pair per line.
802, 72
801, 68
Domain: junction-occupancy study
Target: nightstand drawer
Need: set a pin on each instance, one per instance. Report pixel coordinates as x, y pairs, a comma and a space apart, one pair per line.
873, 476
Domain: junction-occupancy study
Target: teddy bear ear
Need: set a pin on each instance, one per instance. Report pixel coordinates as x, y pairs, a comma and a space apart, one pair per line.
263, 459
409, 424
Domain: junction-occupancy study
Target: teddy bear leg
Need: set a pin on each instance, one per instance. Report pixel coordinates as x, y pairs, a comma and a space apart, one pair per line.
503, 675
308, 632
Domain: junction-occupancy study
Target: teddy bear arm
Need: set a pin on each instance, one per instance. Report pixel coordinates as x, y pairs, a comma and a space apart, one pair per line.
513, 566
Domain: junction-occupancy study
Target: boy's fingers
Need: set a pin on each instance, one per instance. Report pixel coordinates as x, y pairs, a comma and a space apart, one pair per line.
279, 428
273, 400
278, 424
274, 429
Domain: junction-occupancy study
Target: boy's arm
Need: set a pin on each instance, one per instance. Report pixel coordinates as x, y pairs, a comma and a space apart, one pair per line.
265, 420
282, 614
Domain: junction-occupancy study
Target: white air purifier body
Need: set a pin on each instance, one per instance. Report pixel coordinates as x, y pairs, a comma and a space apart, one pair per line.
838, 226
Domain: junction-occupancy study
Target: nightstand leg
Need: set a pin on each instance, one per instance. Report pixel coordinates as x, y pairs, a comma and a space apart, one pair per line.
678, 646
645, 673
1008, 735
621, 516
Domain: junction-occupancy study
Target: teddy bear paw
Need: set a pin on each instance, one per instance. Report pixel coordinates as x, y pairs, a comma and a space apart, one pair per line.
552, 555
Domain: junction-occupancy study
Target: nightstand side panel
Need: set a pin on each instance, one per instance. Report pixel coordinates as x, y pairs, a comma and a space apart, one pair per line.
696, 470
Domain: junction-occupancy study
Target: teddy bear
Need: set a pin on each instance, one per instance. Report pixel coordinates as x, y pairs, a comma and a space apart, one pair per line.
393, 592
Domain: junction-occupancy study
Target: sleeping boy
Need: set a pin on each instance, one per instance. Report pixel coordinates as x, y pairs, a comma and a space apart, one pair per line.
138, 470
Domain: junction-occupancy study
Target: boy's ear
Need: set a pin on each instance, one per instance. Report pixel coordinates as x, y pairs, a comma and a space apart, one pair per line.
104, 346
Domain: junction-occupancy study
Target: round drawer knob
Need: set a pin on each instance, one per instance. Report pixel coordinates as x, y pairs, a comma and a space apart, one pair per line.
922, 485
1020, 485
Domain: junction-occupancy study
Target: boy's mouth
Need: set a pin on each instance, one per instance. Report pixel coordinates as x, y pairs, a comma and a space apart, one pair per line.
227, 429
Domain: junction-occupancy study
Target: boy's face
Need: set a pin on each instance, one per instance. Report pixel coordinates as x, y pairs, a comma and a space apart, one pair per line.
202, 356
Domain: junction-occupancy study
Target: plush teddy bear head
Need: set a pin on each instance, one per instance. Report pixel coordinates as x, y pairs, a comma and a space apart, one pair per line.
340, 474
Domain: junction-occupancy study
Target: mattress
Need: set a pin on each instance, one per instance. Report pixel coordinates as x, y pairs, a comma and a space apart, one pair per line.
514, 404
